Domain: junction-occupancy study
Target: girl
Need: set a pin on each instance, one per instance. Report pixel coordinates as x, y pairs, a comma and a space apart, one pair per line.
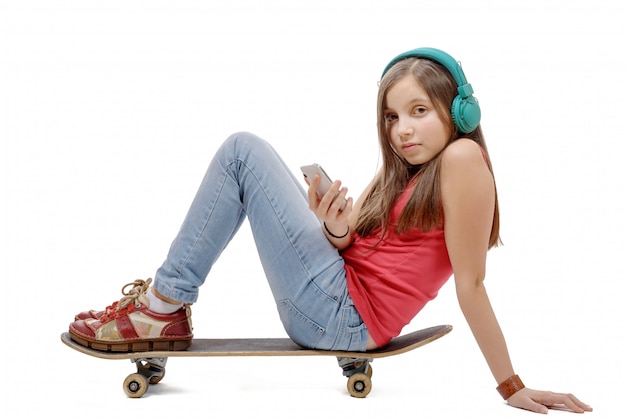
345, 277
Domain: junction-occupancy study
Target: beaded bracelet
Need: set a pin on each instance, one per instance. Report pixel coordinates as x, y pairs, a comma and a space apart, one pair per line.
336, 236
510, 386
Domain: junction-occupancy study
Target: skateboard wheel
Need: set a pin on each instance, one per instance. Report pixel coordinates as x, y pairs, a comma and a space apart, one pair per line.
135, 385
359, 385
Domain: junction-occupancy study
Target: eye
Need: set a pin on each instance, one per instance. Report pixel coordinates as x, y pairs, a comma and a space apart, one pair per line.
390, 118
419, 110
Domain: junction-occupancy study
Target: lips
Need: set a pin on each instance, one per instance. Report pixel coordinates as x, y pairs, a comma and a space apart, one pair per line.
409, 147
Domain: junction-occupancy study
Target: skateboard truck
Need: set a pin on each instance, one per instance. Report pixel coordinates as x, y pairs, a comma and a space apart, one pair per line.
359, 373
150, 371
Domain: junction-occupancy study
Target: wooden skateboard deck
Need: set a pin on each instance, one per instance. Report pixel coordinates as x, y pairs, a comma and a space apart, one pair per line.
151, 364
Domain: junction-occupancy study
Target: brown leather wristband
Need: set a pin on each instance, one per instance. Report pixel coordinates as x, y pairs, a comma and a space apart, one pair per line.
510, 386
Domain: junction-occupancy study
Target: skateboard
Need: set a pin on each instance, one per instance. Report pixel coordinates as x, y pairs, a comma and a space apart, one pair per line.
151, 364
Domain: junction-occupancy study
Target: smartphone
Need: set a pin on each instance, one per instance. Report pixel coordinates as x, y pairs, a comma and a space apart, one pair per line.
311, 170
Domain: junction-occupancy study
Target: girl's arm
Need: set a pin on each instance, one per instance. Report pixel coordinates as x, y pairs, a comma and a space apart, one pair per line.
468, 195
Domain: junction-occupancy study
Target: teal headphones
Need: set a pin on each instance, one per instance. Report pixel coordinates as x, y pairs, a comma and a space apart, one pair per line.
465, 109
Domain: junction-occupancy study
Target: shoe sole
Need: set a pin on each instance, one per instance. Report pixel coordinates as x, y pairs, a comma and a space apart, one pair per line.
134, 346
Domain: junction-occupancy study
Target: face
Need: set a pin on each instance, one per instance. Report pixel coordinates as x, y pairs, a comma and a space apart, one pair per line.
416, 131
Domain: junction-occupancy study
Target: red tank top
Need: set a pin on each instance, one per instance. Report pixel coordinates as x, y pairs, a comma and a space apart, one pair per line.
391, 283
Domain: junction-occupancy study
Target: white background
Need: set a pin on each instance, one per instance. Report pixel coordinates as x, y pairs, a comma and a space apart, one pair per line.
111, 110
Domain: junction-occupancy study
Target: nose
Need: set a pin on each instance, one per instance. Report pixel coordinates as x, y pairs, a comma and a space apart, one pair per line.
404, 128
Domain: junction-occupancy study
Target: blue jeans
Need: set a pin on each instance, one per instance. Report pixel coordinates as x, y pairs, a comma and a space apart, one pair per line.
305, 271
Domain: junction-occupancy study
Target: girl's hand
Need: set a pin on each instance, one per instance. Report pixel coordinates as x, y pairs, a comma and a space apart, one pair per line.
328, 207
540, 401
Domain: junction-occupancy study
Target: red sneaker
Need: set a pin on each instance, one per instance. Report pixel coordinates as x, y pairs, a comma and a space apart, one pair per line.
93, 314
129, 325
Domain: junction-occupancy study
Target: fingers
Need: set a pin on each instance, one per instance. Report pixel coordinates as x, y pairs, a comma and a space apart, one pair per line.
337, 198
539, 401
331, 204
570, 401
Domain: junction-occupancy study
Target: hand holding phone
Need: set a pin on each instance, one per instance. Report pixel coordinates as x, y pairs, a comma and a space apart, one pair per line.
310, 171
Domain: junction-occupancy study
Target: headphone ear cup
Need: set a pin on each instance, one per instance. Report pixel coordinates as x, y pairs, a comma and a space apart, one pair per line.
465, 113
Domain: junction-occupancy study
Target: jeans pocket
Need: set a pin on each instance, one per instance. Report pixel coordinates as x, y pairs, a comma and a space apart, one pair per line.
300, 328
353, 336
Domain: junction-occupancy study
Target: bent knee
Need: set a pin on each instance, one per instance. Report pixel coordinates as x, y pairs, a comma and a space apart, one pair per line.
244, 138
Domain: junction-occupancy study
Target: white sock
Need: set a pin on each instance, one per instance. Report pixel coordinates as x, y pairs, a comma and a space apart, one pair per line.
159, 305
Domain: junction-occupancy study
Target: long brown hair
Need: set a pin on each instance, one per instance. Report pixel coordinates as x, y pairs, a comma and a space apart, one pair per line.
424, 208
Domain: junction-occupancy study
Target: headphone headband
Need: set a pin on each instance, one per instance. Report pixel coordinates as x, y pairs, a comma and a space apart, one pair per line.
465, 110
